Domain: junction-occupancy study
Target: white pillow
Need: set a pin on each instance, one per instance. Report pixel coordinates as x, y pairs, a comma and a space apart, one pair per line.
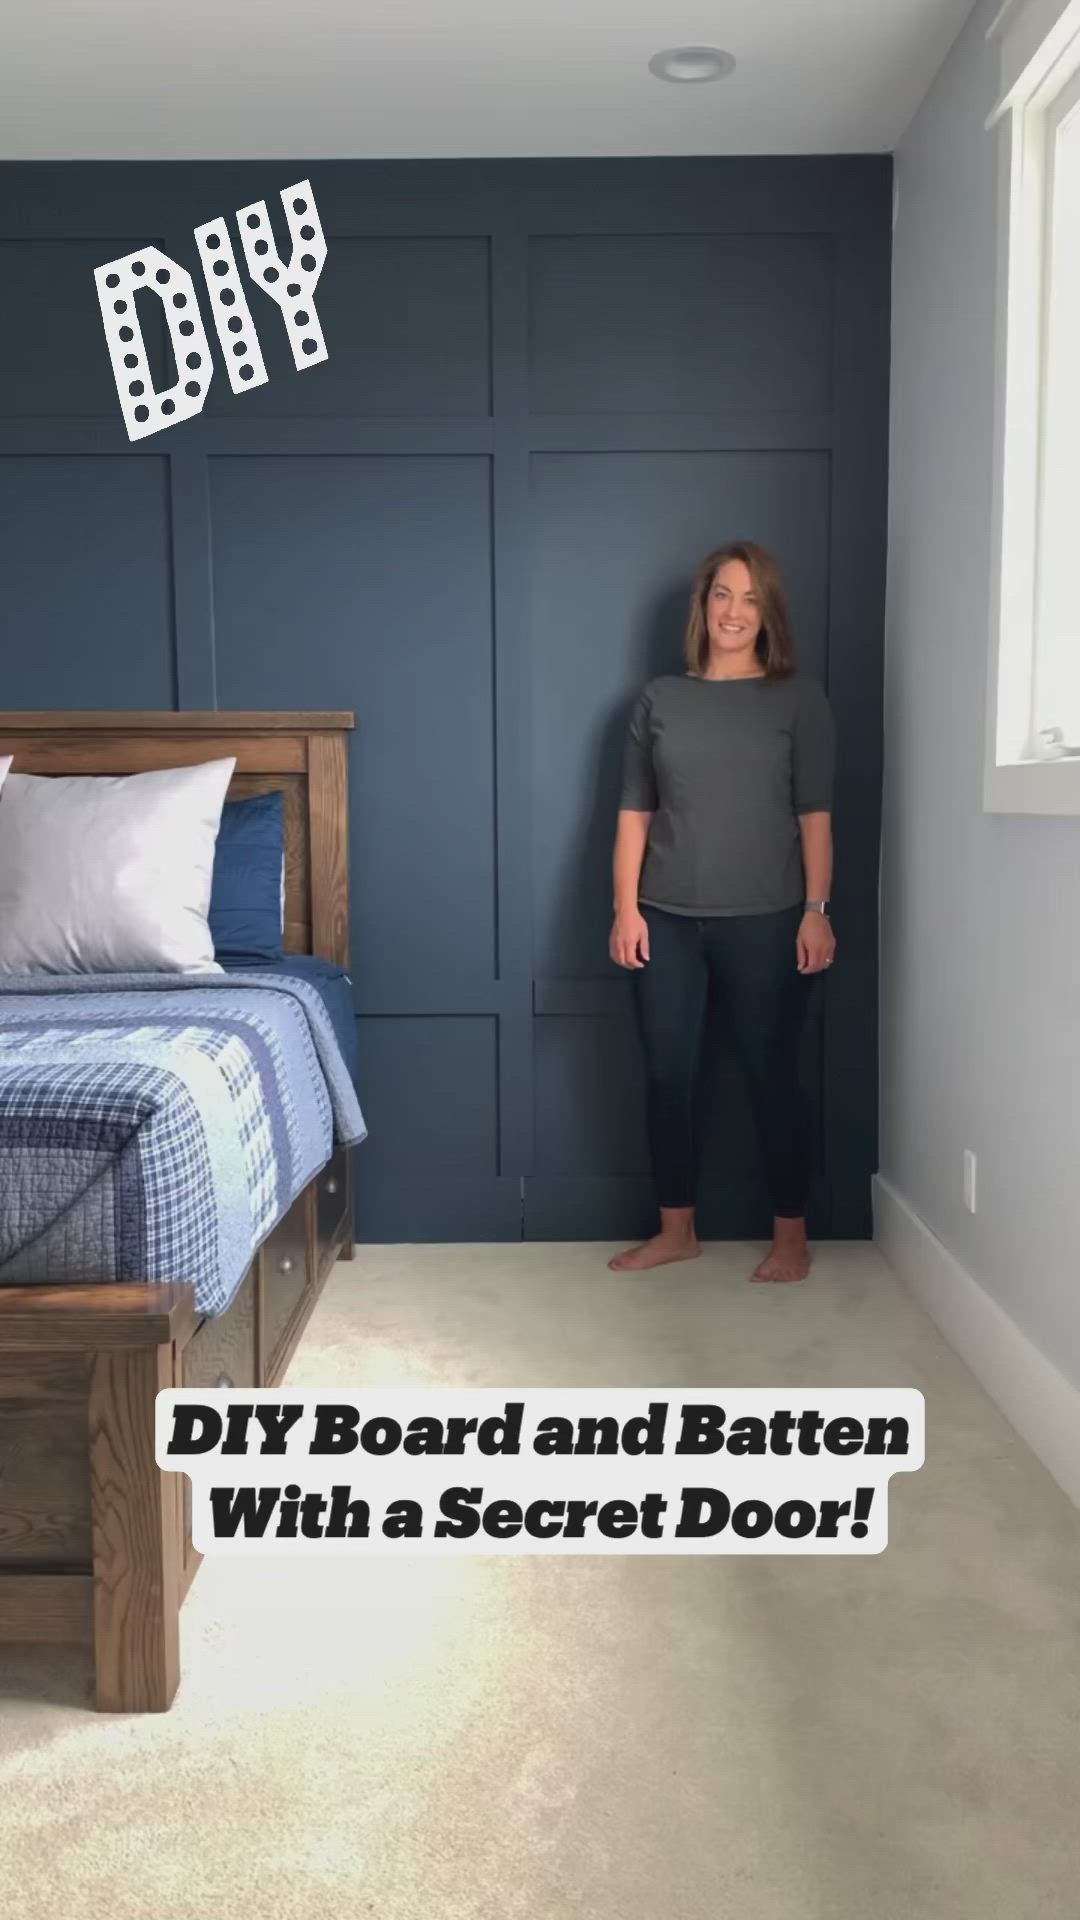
104, 875
5, 762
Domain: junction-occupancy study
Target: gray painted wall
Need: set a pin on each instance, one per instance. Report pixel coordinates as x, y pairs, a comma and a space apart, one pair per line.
980, 913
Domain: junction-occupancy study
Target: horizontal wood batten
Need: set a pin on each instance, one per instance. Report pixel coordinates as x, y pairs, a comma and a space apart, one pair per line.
714, 432
237, 437
596, 999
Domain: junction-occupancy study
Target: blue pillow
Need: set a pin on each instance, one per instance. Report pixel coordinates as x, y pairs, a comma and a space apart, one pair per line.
245, 898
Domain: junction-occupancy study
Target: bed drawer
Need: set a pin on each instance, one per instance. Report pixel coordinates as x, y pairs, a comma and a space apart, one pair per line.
331, 1207
284, 1275
222, 1352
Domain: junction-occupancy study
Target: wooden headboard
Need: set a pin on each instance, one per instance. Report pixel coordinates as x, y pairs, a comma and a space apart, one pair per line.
302, 754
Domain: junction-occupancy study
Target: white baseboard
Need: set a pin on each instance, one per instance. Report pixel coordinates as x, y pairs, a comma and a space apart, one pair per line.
1039, 1402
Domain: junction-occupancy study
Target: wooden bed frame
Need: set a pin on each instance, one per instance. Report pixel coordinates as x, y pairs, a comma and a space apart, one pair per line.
95, 1540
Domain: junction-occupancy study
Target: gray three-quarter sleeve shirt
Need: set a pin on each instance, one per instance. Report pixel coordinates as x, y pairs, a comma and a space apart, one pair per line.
725, 767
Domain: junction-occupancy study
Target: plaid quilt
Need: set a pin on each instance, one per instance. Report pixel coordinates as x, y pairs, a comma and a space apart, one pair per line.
152, 1132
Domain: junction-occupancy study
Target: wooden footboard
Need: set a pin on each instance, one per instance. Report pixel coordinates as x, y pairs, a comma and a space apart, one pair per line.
95, 1541
89, 1527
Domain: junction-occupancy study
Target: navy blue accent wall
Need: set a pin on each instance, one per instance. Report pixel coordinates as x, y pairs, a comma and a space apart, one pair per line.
551, 386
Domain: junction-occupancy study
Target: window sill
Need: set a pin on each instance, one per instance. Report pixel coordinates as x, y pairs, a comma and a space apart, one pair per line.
1033, 786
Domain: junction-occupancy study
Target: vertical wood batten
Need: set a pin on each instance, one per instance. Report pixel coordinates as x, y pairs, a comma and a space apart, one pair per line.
192, 582
855, 681
513, 957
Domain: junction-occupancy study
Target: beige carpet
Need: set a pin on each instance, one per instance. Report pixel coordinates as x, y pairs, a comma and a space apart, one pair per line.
894, 1738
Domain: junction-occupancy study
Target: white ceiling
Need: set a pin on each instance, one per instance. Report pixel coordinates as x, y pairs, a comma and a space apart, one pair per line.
330, 79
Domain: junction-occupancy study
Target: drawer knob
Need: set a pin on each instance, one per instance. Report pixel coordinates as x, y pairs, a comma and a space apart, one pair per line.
285, 1264
331, 1186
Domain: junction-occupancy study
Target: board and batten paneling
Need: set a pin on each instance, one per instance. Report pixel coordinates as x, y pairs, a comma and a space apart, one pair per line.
551, 385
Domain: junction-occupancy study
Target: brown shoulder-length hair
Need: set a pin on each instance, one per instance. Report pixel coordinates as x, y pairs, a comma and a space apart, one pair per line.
775, 644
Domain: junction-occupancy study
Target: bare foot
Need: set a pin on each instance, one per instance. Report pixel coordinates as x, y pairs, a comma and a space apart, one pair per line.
789, 1257
657, 1252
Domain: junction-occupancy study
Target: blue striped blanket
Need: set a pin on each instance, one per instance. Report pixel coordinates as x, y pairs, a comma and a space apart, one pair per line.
158, 1132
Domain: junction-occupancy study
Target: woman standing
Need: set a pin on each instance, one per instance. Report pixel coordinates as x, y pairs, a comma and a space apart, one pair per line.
723, 866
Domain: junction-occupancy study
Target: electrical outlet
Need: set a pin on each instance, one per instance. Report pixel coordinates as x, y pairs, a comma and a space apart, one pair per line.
969, 1180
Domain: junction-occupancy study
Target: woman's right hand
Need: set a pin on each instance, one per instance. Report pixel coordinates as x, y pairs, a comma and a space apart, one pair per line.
629, 943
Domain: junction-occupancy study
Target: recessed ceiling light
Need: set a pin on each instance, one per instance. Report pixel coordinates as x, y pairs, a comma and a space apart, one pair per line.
692, 63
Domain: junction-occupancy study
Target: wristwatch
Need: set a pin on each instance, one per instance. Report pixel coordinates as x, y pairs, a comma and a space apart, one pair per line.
817, 906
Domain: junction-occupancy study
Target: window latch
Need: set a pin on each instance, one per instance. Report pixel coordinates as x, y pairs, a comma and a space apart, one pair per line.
1050, 745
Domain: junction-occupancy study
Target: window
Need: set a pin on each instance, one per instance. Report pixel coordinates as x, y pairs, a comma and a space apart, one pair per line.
1056, 689
1033, 720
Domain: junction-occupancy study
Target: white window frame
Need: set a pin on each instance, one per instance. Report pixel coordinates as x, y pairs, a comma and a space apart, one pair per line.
1040, 57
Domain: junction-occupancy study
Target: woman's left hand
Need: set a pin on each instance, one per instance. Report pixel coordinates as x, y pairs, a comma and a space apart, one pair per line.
814, 943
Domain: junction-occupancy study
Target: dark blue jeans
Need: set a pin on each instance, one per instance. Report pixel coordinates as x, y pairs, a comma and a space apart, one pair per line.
751, 964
